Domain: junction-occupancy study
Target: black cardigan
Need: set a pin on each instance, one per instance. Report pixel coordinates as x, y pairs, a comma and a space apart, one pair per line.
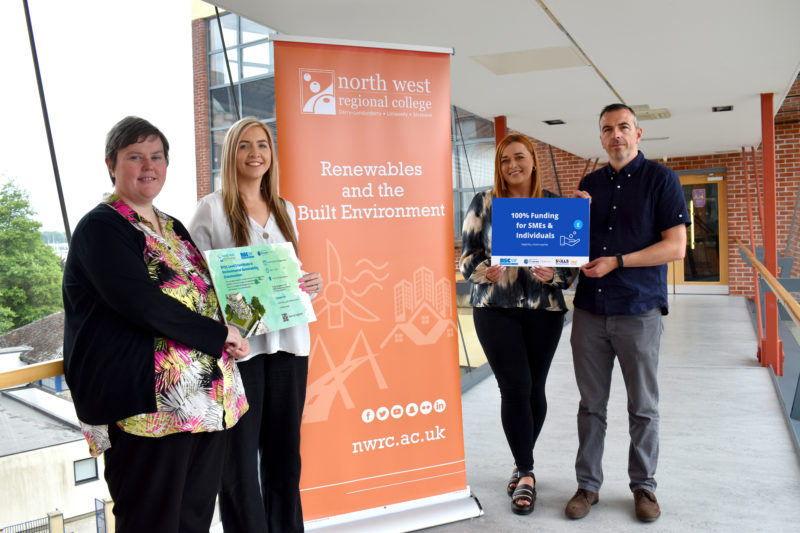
113, 311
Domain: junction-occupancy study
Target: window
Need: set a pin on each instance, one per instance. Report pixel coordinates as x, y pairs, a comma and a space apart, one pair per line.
473, 161
258, 99
252, 71
251, 59
85, 470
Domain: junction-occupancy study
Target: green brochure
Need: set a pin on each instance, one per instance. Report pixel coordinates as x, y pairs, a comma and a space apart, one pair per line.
257, 287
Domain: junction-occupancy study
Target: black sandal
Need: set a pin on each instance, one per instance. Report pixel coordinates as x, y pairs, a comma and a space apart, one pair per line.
513, 480
524, 492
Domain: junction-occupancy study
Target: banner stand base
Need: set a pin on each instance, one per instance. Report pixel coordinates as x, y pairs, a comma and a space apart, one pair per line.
406, 516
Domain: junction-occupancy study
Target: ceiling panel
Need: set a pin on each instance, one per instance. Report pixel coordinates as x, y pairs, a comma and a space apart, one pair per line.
684, 55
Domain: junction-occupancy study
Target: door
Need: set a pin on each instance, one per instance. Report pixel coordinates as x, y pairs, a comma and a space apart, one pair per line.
704, 269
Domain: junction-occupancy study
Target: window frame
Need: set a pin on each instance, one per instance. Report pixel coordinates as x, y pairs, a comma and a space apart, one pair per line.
236, 48
84, 480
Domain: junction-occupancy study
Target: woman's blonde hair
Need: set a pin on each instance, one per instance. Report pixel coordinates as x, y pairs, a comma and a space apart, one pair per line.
234, 209
500, 185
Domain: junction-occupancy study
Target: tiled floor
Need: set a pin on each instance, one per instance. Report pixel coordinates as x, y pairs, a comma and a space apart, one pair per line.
727, 459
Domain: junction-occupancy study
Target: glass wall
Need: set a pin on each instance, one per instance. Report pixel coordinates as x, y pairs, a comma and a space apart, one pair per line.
250, 55
251, 68
251, 63
473, 161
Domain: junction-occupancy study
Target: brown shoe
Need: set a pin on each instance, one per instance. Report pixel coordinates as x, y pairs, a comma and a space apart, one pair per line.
647, 508
580, 504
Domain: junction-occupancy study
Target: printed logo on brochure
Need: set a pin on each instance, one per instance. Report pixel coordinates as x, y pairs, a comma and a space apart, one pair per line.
316, 91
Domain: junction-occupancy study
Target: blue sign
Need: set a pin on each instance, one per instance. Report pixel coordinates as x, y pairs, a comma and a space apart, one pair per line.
540, 231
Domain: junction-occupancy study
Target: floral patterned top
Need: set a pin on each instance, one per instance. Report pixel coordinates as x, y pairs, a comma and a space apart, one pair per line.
195, 392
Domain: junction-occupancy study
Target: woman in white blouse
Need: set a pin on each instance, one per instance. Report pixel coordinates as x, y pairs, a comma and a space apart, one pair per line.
260, 495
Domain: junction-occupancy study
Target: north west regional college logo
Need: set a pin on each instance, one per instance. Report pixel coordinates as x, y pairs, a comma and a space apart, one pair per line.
316, 91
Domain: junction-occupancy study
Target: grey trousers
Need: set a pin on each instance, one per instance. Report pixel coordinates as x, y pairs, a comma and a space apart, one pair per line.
634, 340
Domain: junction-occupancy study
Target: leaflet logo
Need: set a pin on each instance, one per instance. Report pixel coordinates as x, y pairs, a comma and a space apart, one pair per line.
562, 261
507, 261
316, 92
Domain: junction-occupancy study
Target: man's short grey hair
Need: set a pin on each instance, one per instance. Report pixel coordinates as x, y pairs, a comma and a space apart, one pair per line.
610, 108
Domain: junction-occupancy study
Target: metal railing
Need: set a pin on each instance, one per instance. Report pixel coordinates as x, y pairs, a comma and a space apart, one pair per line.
100, 516
788, 301
792, 309
40, 525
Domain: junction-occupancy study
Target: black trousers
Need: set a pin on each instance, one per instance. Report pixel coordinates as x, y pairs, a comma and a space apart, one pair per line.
261, 479
519, 345
166, 484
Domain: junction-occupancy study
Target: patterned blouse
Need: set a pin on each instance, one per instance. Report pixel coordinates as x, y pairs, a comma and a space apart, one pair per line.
518, 287
195, 392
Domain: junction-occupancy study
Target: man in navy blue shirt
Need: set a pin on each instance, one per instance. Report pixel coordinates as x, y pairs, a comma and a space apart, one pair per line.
638, 225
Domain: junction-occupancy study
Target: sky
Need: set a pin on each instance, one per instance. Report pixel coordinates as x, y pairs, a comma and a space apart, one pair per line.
100, 61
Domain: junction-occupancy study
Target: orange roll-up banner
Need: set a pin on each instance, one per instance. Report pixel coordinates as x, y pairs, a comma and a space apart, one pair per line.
365, 157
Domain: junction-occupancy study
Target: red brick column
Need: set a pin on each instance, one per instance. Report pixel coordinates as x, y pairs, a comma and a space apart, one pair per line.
202, 137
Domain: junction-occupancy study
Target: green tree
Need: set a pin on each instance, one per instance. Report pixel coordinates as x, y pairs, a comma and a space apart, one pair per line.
30, 271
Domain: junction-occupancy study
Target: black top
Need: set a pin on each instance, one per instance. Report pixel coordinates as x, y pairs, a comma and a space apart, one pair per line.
629, 211
113, 311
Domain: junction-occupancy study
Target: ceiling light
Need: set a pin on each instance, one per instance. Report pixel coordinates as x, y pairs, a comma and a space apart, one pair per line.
554, 122
643, 112
720, 108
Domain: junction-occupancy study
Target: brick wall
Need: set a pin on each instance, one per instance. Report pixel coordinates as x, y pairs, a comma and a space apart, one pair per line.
739, 275
787, 153
570, 168
787, 181
202, 141
787, 185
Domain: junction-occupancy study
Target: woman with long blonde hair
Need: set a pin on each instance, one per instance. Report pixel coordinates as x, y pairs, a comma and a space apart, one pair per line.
260, 484
518, 314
